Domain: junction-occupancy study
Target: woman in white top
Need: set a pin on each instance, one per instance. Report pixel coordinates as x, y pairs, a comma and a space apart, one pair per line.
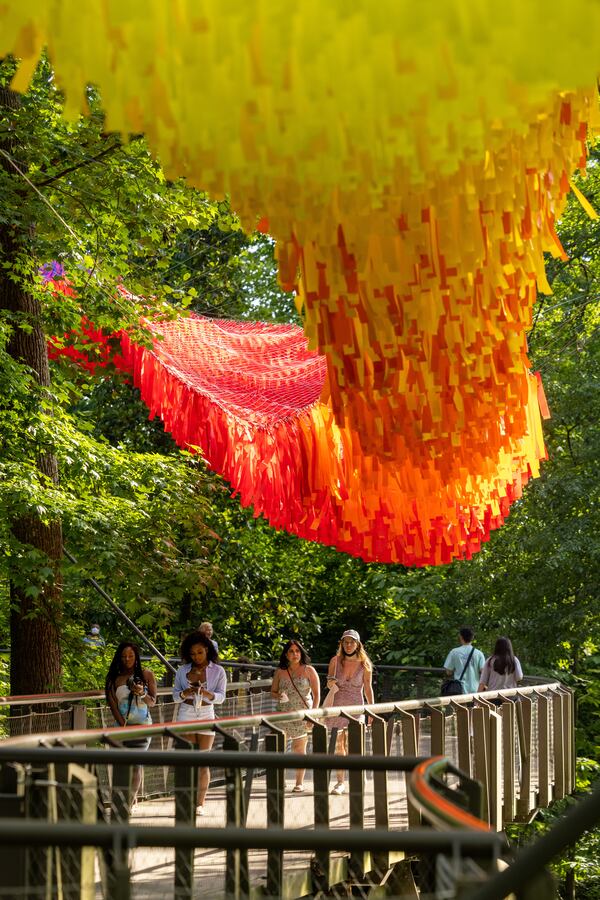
502, 670
199, 684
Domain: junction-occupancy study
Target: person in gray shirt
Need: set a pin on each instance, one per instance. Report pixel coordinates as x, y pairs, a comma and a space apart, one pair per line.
456, 659
502, 670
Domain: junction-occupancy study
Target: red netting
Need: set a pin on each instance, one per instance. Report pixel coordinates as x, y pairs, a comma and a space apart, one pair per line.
257, 373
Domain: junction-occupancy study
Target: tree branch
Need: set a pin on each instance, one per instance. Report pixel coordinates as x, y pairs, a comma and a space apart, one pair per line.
569, 430
79, 165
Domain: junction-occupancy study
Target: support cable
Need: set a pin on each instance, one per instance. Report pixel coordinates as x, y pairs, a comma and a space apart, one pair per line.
123, 615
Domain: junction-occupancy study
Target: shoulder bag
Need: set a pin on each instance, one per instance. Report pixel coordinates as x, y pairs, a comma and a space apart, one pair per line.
452, 686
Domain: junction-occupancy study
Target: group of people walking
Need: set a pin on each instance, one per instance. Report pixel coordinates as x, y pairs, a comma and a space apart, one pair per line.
296, 687
200, 685
466, 664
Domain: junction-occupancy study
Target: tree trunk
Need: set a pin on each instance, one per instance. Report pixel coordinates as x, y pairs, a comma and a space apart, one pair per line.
34, 621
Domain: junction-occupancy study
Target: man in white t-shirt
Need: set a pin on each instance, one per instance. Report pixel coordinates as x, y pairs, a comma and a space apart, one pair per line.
456, 659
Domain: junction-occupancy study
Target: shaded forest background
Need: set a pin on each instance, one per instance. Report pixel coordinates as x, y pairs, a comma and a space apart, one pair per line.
158, 530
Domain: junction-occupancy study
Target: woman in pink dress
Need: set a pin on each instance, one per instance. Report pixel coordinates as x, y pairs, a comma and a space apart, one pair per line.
350, 676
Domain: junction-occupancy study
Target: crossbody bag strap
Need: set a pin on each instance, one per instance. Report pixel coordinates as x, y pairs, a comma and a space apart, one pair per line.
469, 657
129, 706
297, 691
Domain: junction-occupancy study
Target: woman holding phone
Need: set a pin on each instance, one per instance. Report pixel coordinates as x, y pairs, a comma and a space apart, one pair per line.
200, 684
130, 692
350, 676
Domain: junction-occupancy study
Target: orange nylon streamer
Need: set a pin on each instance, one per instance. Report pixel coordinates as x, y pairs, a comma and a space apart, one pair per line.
247, 395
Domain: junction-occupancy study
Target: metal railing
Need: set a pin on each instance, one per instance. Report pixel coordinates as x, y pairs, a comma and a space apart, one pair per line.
500, 763
521, 752
57, 781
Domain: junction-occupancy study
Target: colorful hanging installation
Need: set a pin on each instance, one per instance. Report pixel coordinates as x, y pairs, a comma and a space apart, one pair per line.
411, 162
248, 396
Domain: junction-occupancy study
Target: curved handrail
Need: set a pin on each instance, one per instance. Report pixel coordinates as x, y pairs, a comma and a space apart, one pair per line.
437, 809
71, 738
75, 696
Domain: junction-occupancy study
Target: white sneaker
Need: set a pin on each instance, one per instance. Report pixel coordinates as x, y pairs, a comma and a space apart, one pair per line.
199, 810
298, 789
339, 788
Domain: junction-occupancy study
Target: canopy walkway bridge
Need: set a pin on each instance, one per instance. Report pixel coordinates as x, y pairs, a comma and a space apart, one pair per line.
432, 783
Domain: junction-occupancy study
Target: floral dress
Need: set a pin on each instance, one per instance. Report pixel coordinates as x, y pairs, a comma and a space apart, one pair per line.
297, 699
349, 693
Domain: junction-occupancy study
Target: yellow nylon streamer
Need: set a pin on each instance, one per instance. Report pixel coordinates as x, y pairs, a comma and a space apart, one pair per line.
411, 161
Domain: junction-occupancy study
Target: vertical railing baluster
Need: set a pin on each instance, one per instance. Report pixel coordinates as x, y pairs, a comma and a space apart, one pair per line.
463, 736
543, 744
237, 879
569, 761
495, 770
237, 882
120, 874
524, 720
481, 753
410, 746
356, 782
437, 720
275, 778
186, 789
509, 807
321, 809
380, 858
121, 793
559, 750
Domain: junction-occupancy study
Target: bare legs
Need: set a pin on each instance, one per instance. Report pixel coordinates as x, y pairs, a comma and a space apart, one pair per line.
136, 783
203, 742
299, 746
341, 748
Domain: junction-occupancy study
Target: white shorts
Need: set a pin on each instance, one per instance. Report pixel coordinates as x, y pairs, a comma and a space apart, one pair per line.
187, 713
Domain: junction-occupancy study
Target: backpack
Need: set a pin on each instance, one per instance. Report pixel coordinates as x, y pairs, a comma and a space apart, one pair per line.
452, 686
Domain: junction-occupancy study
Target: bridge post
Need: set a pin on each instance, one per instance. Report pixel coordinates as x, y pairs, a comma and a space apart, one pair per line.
40, 871
410, 746
437, 720
495, 770
380, 858
186, 788
507, 711
237, 884
524, 721
237, 879
275, 743
15, 780
115, 864
481, 753
320, 867
356, 783
76, 802
543, 730
79, 719
559, 749
569, 757
463, 736
120, 793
